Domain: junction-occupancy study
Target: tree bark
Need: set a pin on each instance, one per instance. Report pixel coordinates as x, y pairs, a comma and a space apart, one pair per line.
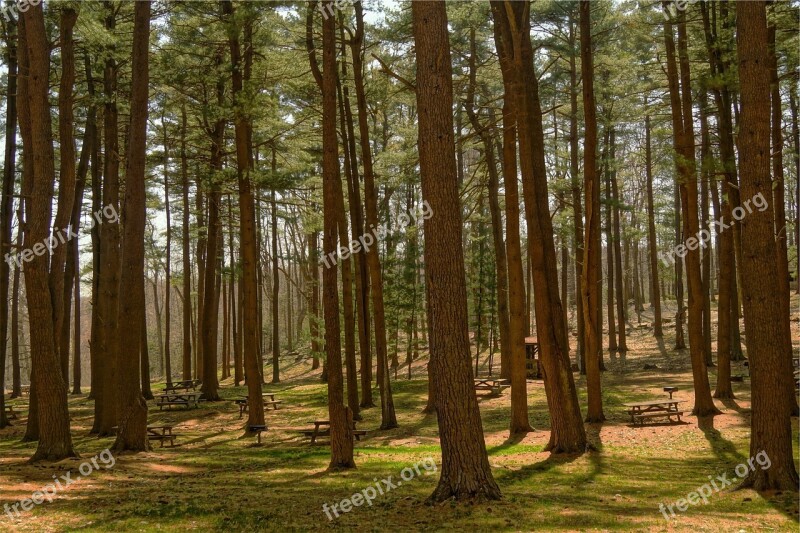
465, 471
770, 369
132, 408
652, 244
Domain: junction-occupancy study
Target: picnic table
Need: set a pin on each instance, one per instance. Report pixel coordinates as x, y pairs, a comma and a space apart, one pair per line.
642, 411
177, 398
322, 428
10, 413
187, 385
271, 402
532, 368
25, 390
161, 433
496, 386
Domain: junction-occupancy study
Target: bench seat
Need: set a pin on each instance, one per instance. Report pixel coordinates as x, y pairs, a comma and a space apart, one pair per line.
641, 417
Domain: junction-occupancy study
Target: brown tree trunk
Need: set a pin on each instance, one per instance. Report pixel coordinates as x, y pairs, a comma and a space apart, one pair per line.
592, 299
501, 266
465, 469
568, 434
276, 339
340, 415
167, 265
7, 205
619, 286
247, 234
652, 245
144, 359
55, 441
612, 326
132, 408
388, 416
770, 369
681, 104
187, 264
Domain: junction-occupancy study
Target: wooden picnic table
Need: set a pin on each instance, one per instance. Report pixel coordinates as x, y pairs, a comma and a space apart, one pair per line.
243, 403
496, 386
322, 428
10, 413
161, 433
178, 398
641, 411
25, 390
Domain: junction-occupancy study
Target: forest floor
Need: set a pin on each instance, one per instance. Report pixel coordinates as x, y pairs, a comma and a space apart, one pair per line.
215, 479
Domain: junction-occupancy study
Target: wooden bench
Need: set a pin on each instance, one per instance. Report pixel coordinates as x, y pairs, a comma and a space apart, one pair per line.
185, 398
257, 430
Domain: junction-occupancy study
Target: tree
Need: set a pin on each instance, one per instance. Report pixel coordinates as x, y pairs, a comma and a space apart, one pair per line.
771, 428
465, 469
55, 441
132, 429
592, 300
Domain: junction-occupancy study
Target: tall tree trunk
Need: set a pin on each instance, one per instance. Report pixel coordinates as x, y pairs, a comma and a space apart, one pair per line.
779, 201
681, 104
340, 414
388, 416
612, 326
652, 245
501, 266
187, 260
619, 286
247, 231
167, 264
592, 299
770, 369
7, 203
144, 358
132, 409
276, 284
465, 466
568, 434
55, 441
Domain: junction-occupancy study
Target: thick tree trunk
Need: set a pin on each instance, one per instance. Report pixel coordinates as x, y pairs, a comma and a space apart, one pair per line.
341, 418
568, 434
465, 471
132, 408
247, 231
770, 369
55, 441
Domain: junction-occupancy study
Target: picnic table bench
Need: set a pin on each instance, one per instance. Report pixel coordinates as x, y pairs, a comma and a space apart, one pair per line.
643, 411
187, 385
177, 398
496, 386
322, 428
272, 402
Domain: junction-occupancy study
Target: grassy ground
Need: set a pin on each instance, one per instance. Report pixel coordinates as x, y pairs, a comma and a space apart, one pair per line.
216, 479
